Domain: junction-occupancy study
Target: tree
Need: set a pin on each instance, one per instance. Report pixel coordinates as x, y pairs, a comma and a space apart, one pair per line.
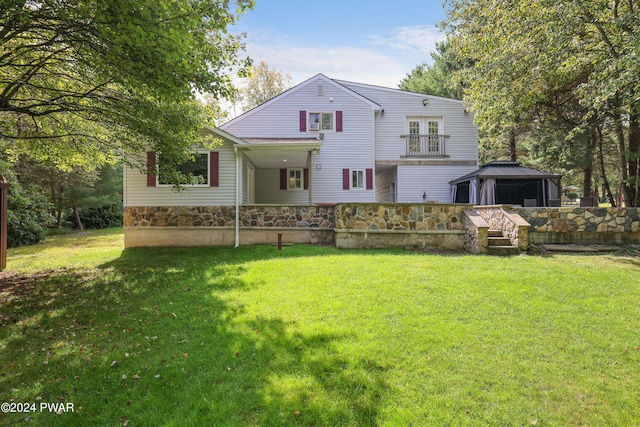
436, 79
27, 210
64, 189
572, 59
84, 81
263, 84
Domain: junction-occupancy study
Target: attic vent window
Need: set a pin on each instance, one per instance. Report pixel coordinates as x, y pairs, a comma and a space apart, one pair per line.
320, 90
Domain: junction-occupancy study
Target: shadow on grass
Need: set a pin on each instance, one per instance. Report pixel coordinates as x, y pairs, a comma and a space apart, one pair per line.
152, 339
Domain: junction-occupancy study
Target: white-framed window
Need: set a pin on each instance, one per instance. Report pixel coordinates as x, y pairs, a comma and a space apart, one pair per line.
424, 134
357, 178
295, 179
321, 121
196, 170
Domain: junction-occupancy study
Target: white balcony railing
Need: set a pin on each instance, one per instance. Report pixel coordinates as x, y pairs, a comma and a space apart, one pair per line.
425, 145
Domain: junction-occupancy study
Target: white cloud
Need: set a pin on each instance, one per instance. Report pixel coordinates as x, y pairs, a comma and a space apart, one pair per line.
381, 60
339, 62
416, 39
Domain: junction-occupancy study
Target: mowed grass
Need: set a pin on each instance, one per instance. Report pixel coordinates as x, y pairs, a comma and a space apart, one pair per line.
317, 336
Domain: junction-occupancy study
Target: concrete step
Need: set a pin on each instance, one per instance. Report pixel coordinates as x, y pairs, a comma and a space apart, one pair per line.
503, 250
495, 233
499, 241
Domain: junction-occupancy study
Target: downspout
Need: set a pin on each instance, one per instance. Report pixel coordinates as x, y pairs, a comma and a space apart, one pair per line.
237, 237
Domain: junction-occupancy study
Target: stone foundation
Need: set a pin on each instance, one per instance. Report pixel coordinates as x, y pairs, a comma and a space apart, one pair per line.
320, 217
371, 225
215, 225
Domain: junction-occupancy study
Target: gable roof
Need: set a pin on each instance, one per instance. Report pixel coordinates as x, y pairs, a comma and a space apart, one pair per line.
318, 77
505, 170
396, 90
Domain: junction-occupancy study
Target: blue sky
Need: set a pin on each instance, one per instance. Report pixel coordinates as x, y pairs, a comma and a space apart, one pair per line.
369, 41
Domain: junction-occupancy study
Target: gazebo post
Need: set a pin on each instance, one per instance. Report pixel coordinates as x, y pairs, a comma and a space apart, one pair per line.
4, 197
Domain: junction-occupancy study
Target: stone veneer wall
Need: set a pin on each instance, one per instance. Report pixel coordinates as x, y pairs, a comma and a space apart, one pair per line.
320, 217
512, 225
411, 226
583, 225
477, 233
439, 226
400, 217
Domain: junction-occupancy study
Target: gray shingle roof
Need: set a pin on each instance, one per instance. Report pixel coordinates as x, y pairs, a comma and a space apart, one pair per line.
505, 170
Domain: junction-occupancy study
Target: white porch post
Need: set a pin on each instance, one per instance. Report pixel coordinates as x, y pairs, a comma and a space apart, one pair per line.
238, 194
310, 177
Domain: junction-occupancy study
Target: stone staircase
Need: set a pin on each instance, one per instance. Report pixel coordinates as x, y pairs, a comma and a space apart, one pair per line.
499, 245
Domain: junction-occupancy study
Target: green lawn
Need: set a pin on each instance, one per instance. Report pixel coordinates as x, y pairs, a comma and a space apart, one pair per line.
317, 336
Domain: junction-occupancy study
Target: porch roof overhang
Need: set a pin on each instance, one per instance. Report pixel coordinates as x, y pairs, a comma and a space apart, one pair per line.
278, 153
272, 153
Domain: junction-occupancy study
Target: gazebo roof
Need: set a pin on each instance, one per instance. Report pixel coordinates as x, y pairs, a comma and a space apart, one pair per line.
502, 169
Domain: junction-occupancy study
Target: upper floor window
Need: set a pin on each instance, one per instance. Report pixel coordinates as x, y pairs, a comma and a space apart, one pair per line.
424, 136
321, 121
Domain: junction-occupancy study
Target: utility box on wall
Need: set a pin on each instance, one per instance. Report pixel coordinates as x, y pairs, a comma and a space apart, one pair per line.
4, 196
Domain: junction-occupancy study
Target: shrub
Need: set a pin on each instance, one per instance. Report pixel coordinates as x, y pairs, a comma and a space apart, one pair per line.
27, 217
102, 217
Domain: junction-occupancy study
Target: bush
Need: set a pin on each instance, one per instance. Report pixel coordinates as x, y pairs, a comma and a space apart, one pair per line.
102, 217
26, 217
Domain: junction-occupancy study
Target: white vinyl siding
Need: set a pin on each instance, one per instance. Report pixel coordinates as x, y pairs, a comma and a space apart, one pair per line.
353, 148
461, 143
433, 181
138, 194
268, 190
246, 186
385, 179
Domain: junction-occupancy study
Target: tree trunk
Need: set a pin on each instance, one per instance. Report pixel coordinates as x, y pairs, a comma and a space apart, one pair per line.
512, 145
607, 187
588, 166
76, 217
622, 155
634, 154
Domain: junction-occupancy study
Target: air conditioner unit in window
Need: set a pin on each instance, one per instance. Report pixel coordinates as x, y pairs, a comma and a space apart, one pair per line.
314, 126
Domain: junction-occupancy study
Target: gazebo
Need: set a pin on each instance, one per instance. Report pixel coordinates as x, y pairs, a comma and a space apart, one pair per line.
505, 182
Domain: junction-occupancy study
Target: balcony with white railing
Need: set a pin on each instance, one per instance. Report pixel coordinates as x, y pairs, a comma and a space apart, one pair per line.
423, 146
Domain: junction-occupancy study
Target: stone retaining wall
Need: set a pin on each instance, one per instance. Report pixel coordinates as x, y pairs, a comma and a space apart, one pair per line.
410, 226
371, 225
582, 225
400, 217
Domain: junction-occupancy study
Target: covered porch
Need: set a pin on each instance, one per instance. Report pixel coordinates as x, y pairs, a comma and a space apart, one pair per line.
274, 171
278, 170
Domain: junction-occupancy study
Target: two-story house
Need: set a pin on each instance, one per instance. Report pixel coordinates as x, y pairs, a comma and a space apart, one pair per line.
325, 141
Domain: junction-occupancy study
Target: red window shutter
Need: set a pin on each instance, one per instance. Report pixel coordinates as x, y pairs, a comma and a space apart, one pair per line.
338, 121
283, 179
151, 168
306, 179
214, 168
345, 179
303, 121
369, 173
